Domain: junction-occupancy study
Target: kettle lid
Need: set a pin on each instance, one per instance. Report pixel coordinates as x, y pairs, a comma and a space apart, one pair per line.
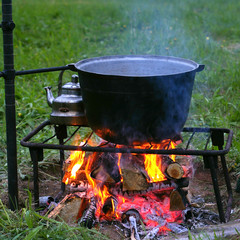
73, 85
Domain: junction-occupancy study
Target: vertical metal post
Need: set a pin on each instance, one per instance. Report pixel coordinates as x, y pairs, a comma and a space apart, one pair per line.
9, 76
216, 189
36, 156
61, 132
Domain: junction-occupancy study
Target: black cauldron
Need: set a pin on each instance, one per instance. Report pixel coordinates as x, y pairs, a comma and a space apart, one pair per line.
138, 98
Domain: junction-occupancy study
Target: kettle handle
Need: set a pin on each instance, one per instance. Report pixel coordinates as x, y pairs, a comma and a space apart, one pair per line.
60, 82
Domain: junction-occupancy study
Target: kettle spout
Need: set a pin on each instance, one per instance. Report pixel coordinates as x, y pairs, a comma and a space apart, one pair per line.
50, 97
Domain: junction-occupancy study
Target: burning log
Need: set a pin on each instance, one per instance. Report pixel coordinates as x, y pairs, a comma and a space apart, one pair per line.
83, 206
134, 175
109, 206
171, 169
88, 217
134, 180
107, 164
81, 187
102, 175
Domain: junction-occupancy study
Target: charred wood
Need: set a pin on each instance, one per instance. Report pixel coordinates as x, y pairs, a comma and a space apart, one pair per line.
181, 183
80, 187
88, 216
109, 206
130, 219
102, 175
82, 208
131, 212
108, 163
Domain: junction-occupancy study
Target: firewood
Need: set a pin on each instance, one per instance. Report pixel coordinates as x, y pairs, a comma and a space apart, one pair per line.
88, 217
66, 209
176, 201
134, 180
109, 206
109, 163
134, 175
83, 206
101, 174
175, 170
171, 169
182, 182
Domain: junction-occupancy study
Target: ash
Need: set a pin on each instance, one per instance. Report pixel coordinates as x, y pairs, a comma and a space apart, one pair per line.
193, 218
198, 217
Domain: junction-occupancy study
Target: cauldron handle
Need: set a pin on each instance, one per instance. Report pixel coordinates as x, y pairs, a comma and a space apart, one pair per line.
200, 67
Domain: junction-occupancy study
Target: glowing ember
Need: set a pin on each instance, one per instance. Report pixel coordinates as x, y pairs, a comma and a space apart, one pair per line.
153, 208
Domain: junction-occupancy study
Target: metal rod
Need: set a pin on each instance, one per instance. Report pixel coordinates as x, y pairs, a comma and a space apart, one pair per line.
216, 189
9, 76
41, 70
189, 140
229, 187
178, 151
62, 158
36, 156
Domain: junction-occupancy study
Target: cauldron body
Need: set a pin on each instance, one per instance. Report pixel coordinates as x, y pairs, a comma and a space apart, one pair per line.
135, 99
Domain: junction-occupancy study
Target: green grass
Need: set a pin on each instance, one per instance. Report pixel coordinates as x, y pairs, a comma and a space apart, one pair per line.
27, 224
58, 32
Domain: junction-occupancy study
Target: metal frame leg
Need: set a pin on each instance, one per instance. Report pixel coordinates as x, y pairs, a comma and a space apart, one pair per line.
216, 188
61, 132
229, 188
36, 156
218, 140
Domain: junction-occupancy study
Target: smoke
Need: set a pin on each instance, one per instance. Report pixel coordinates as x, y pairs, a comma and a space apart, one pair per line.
154, 27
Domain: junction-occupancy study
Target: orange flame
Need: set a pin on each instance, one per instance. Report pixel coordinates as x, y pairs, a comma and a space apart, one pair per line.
153, 167
153, 161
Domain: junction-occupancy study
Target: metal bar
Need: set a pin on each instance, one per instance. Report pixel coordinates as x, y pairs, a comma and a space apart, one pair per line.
229, 187
63, 185
9, 76
41, 70
216, 189
36, 156
25, 142
189, 140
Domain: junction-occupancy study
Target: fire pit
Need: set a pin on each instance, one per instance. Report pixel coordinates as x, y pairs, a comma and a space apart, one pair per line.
106, 189
131, 174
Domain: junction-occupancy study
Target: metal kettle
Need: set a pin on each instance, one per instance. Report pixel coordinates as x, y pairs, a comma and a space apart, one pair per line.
67, 108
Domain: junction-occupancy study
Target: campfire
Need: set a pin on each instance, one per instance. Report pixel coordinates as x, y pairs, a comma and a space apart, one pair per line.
134, 177
147, 190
